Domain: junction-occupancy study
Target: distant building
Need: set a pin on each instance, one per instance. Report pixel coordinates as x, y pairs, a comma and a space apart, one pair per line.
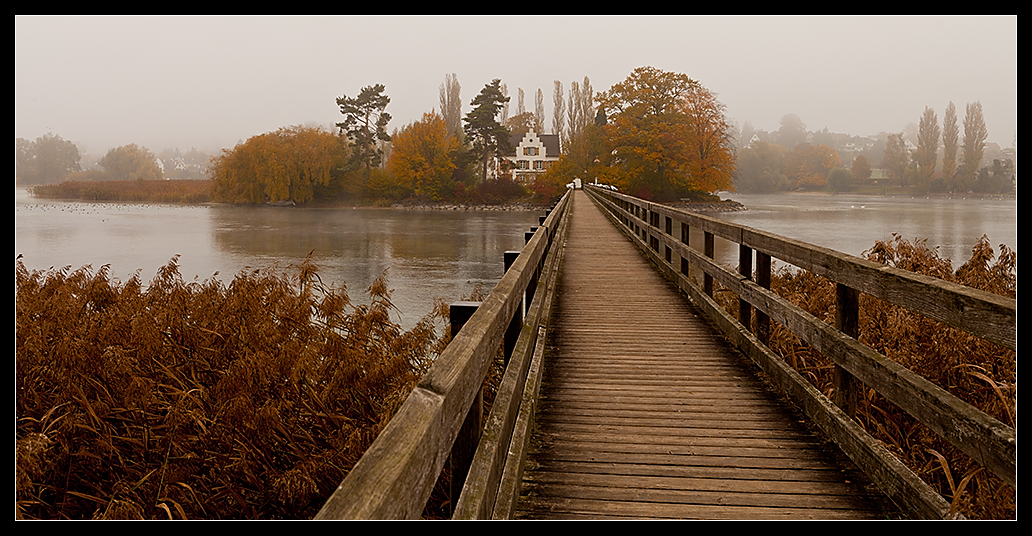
534, 153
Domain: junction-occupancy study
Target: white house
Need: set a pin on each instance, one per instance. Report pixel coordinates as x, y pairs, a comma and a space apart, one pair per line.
533, 154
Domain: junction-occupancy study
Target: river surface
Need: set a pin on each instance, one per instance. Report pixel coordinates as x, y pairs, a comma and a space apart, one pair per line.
430, 255
852, 223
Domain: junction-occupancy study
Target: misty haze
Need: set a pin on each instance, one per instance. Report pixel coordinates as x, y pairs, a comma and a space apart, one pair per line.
212, 211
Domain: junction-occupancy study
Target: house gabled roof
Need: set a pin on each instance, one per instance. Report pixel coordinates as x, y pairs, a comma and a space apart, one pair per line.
549, 141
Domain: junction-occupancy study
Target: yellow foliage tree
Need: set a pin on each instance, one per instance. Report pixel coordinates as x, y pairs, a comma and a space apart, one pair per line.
421, 157
285, 165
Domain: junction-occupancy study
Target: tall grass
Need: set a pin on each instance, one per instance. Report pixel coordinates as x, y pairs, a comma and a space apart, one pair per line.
979, 372
189, 400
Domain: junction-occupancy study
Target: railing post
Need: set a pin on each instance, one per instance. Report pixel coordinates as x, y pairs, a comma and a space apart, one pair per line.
685, 265
763, 279
847, 320
532, 286
512, 333
465, 445
707, 280
745, 270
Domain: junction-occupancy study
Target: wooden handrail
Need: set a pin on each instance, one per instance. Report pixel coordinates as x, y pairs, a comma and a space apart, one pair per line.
980, 313
397, 473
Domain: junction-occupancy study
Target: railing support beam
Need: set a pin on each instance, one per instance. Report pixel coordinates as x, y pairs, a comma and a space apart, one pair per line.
469, 435
847, 320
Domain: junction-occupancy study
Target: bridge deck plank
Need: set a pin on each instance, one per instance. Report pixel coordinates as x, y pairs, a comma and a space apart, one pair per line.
645, 412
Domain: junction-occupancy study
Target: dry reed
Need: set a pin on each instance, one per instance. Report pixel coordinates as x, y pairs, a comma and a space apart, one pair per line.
197, 400
148, 191
979, 372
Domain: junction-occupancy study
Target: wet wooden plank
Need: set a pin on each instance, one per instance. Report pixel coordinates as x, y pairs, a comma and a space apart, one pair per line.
646, 412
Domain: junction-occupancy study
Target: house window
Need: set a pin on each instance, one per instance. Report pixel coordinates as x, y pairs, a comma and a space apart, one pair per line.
539, 164
522, 164
530, 151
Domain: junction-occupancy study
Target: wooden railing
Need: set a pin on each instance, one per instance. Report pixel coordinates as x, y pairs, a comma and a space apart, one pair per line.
663, 234
441, 419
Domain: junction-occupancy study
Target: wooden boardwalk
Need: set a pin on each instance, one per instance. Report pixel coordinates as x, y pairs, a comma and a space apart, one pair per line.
647, 412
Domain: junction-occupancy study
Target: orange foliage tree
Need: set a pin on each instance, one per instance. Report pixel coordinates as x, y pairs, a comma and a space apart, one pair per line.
668, 135
807, 166
286, 165
712, 165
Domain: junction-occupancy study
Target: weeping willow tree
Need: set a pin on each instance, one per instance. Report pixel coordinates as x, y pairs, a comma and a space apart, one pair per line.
290, 164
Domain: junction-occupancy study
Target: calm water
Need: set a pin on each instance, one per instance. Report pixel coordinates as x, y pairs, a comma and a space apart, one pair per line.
428, 255
853, 223
433, 255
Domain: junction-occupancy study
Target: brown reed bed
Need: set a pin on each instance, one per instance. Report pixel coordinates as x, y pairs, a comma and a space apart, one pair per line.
979, 372
198, 400
137, 191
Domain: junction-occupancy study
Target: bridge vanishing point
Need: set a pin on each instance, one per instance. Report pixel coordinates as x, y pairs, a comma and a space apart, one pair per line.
630, 393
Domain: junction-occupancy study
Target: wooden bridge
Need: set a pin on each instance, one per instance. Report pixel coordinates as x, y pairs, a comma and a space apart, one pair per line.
629, 393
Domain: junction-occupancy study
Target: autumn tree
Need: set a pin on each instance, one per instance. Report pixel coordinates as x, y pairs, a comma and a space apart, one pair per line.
48, 159
130, 162
807, 166
520, 124
668, 135
950, 144
487, 136
712, 165
290, 164
451, 105
421, 160
975, 135
365, 125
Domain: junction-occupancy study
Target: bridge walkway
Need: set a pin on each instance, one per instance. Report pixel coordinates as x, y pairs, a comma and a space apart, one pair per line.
646, 411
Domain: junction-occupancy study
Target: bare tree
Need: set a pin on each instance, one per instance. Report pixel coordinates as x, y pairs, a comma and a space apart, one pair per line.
539, 112
581, 110
927, 147
505, 106
950, 143
558, 113
572, 110
451, 104
974, 141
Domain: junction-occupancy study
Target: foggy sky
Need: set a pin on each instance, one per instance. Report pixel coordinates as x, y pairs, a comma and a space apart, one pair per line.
210, 82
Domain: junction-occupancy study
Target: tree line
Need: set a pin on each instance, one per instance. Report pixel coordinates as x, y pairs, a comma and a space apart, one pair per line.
659, 135
49, 159
446, 156
939, 159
